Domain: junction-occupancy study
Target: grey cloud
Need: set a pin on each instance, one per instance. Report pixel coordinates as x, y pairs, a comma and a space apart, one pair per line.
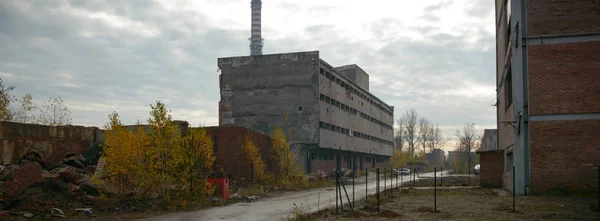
441, 5
121, 70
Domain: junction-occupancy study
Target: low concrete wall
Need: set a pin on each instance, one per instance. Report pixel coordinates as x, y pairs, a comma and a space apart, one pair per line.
52, 142
491, 169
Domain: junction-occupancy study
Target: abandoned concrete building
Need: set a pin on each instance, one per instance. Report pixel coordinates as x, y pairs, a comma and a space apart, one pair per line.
548, 94
330, 117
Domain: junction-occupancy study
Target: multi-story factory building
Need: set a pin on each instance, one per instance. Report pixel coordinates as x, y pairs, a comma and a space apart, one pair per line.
331, 118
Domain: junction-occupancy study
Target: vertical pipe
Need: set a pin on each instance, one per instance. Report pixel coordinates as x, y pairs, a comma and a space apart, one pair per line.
514, 190
434, 189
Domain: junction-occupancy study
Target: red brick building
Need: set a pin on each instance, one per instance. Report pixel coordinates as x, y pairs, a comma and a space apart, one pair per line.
548, 93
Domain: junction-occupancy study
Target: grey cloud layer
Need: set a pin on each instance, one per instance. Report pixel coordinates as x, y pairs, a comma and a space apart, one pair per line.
130, 54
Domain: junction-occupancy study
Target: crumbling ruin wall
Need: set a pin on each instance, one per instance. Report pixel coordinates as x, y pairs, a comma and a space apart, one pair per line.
51, 142
228, 140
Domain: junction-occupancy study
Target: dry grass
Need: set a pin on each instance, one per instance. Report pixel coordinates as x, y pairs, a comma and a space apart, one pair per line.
465, 204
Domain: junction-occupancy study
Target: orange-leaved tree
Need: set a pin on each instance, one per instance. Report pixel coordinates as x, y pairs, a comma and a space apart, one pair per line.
196, 160
164, 149
285, 171
124, 152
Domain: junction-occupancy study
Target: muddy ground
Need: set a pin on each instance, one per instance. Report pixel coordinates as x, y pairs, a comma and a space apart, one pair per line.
464, 204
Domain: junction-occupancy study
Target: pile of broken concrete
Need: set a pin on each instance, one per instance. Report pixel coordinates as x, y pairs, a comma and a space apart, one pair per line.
36, 187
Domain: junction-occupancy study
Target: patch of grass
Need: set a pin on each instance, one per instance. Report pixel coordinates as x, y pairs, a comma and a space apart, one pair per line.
252, 191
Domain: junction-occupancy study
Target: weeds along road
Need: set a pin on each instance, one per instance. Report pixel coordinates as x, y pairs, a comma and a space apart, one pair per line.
282, 206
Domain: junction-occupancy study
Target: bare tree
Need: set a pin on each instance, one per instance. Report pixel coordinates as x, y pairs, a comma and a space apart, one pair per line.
468, 140
25, 112
54, 112
437, 140
424, 137
410, 126
400, 135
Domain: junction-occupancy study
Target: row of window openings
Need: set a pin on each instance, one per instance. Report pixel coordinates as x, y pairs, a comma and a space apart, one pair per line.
354, 91
315, 156
345, 131
351, 110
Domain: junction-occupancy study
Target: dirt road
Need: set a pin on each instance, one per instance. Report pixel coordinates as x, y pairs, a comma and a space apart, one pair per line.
280, 206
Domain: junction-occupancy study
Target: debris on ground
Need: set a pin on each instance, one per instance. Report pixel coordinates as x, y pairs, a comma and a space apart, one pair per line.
40, 188
251, 198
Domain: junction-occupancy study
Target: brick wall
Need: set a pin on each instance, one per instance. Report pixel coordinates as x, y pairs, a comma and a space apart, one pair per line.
491, 169
564, 78
564, 154
52, 142
552, 17
228, 140
327, 166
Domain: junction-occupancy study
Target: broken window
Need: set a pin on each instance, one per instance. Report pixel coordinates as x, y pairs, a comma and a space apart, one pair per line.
322, 97
313, 155
322, 72
299, 108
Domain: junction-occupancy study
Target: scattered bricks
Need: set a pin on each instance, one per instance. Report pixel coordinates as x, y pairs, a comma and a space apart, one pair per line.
22, 177
69, 174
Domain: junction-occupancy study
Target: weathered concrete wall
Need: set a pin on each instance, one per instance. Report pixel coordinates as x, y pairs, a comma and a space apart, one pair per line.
342, 90
52, 142
355, 74
261, 92
492, 169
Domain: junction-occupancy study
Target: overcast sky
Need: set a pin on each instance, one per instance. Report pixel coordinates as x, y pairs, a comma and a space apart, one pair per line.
104, 55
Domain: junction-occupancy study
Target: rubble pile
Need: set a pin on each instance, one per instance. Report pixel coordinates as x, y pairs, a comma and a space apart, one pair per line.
41, 189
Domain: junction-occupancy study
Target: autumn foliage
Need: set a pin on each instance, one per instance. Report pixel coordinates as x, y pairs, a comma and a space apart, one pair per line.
156, 160
286, 172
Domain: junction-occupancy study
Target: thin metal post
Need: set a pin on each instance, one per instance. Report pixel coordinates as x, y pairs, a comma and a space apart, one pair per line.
340, 189
391, 181
514, 190
366, 185
336, 192
396, 178
377, 190
347, 197
353, 176
434, 189
598, 188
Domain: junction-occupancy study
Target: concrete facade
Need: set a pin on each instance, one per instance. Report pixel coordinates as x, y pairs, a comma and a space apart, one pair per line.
489, 140
548, 97
332, 119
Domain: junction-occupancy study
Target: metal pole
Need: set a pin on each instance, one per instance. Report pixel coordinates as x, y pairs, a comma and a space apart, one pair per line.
514, 190
347, 197
377, 190
353, 176
396, 179
434, 189
598, 188
391, 181
340, 189
336, 192
366, 185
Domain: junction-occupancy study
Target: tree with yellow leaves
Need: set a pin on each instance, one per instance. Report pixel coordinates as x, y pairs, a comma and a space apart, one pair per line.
124, 152
196, 162
285, 170
164, 148
251, 164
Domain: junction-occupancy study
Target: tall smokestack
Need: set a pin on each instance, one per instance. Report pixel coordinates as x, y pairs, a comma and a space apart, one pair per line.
256, 41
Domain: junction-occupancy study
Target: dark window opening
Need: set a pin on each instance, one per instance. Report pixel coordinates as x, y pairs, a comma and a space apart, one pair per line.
508, 92
299, 108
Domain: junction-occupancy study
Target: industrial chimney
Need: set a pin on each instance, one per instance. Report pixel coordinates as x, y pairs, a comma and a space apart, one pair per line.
256, 41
